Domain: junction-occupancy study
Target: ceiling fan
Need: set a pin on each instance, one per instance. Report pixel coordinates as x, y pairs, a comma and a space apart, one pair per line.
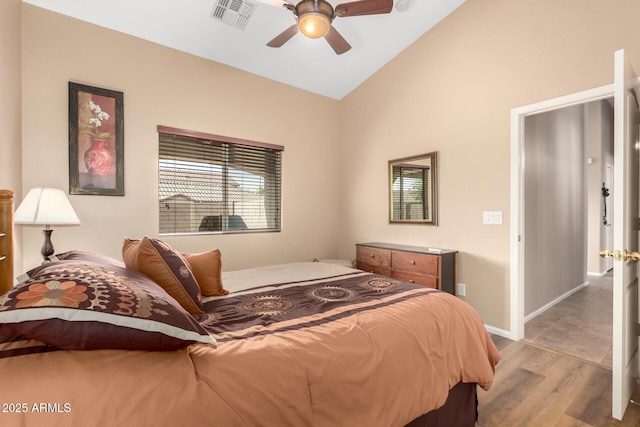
314, 19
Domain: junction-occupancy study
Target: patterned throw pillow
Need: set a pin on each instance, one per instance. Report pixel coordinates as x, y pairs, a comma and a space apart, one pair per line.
207, 269
87, 305
165, 266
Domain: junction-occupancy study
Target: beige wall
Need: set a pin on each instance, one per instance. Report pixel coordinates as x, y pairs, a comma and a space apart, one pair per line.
10, 111
452, 91
165, 87
10, 36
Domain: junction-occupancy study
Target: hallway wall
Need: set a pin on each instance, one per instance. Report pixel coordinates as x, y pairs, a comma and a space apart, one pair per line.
555, 205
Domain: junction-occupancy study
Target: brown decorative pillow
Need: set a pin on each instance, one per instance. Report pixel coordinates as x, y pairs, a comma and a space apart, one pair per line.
165, 266
207, 269
87, 305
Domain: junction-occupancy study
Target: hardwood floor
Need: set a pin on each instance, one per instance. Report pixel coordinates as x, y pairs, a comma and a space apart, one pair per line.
543, 388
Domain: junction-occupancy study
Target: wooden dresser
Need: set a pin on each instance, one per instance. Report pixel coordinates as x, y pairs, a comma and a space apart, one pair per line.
409, 263
6, 240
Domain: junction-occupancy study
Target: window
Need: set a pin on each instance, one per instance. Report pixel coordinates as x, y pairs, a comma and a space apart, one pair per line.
210, 183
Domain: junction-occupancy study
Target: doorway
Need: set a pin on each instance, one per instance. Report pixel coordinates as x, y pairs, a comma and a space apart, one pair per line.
518, 225
568, 294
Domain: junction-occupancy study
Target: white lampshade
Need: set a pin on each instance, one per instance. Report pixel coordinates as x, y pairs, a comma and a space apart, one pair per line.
48, 206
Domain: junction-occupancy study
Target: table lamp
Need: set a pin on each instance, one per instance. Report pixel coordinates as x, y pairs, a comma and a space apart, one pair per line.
46, 206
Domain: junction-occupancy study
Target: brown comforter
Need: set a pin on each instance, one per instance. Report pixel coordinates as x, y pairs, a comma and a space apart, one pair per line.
349, 350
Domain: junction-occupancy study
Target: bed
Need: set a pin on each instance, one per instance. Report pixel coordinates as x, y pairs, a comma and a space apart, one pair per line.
166, 338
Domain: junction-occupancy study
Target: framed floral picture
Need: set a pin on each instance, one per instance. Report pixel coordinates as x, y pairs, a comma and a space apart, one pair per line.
96, 141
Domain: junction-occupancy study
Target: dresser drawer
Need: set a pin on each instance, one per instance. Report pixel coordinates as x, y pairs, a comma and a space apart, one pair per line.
373, 269
373, 257
415, 264
411, 262
419, 279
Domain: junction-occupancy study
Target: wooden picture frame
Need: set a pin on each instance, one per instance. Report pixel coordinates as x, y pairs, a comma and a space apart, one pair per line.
96, 141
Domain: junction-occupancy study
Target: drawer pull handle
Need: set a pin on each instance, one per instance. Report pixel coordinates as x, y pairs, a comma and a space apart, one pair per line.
372, 256
411, 281
412, 262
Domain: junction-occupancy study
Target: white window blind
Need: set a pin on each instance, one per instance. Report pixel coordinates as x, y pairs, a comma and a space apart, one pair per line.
214, 184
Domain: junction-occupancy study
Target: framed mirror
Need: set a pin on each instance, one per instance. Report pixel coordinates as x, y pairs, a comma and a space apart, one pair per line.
413, 190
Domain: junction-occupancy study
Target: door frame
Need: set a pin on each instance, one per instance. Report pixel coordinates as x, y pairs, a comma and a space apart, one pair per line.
516, 270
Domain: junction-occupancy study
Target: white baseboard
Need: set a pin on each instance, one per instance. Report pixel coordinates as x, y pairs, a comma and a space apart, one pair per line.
589, 273
554, 302
507, 334
498, 331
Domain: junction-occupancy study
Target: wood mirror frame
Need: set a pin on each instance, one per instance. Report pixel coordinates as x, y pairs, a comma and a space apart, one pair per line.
413, 189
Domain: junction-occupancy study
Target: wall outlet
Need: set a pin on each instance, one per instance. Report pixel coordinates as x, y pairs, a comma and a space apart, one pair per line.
461, 290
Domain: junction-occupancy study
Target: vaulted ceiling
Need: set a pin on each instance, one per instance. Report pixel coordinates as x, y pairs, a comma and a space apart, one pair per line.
238, 35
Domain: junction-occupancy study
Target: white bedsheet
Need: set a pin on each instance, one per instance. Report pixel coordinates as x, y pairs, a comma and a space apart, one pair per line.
239, 280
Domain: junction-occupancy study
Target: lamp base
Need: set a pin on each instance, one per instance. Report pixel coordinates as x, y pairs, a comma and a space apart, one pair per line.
47, 246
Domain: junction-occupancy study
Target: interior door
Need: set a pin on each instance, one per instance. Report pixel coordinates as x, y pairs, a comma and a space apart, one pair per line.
625, 239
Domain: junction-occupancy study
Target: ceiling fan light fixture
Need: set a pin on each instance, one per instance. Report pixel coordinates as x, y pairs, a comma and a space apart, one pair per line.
314, 25
314, 17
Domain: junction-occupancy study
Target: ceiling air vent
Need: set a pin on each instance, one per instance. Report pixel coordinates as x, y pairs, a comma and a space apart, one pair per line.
233, 12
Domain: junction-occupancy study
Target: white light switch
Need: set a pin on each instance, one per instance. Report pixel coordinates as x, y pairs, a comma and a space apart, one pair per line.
492, 217
461, 290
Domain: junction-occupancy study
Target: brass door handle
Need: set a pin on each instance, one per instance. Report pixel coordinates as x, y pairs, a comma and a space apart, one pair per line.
605, 253
634, 256
620, 255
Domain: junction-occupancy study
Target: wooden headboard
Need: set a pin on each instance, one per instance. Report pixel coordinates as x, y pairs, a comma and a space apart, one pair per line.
6, 240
